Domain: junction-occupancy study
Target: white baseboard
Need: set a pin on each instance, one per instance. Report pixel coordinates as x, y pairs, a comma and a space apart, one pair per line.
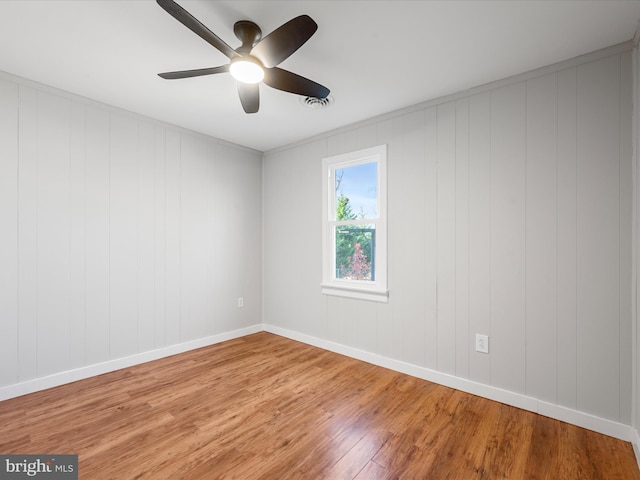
635, 442
581, 419
585, 420
69, 376
574, 417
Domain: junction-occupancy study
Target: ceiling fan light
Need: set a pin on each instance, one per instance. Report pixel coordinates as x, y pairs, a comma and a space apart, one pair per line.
246, 70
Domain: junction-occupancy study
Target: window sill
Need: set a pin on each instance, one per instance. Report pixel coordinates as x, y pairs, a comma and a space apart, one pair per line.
360, 293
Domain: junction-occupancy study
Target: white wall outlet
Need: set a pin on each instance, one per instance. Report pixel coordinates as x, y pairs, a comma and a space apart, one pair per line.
482, 343
240, 302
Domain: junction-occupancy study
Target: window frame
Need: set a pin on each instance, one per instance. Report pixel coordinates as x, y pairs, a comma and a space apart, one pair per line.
374, 290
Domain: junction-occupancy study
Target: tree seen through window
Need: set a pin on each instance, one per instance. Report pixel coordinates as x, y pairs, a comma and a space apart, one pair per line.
354, 236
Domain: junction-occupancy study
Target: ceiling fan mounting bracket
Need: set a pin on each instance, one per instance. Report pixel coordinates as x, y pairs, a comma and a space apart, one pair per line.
247, 32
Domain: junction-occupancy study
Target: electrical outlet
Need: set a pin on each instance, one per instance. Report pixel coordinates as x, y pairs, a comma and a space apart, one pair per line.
482, 343
240, 302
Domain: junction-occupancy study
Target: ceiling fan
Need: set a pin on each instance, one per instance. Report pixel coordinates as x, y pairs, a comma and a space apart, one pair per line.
256, 59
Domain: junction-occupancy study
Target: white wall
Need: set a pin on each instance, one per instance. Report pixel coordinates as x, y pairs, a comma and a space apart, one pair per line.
510, 211
118, 235
635, 417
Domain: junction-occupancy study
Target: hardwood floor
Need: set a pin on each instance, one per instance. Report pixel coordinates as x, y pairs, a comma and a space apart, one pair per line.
265, 407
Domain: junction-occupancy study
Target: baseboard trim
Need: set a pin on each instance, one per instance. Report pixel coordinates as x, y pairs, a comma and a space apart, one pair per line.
574, 417
635, 442
585, 420
69, 376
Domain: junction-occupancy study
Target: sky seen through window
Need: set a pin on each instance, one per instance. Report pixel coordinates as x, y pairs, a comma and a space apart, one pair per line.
359, 185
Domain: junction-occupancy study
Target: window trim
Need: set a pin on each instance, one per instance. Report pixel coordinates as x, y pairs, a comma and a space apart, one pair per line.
365, 290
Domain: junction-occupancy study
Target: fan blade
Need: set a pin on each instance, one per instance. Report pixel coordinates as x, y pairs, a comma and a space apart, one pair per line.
290, 82
189, 21
194, 73
249, 96
284, 40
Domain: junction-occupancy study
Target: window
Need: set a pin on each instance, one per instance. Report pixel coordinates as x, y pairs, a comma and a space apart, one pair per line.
354, 225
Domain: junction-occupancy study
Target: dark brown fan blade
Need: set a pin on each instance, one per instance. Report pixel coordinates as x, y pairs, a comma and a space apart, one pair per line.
284, 40
249, 96
194, 73
196, 27
290, 82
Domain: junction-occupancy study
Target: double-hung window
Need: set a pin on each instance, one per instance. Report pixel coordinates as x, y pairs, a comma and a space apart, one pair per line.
355, 225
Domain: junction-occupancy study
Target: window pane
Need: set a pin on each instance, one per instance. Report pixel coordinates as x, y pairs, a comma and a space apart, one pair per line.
355, 252
357, 192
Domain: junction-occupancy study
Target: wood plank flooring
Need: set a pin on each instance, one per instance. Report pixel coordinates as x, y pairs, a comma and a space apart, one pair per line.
265, 407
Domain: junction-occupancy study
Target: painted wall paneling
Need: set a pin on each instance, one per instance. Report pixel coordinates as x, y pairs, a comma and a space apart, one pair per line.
509, 215
196, 237
160, 237
107, 235
598, 237
97, 228
53, 237
446, 237
77, 235
123, 237
541, 237
27, 234
461, 254
415, 265
480, 232
508, 183
146, 201
385, 326
221, 187
173, 247
567, 281
626, 226
9, 233
635, 136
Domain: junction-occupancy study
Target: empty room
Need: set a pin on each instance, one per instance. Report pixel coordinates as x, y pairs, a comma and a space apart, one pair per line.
319, 239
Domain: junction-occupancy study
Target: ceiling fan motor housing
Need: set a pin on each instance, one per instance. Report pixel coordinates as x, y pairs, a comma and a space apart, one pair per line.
248, 33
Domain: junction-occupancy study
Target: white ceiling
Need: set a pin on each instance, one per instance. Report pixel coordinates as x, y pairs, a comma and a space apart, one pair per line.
375, 56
